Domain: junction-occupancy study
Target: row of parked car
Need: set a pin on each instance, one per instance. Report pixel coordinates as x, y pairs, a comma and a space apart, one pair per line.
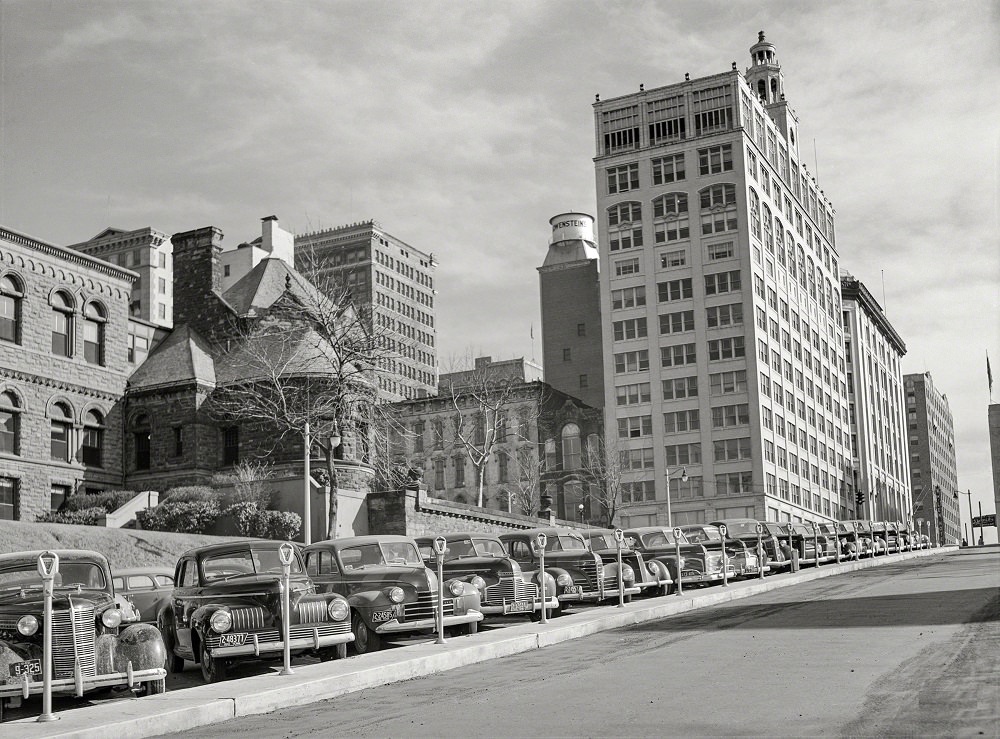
222, 603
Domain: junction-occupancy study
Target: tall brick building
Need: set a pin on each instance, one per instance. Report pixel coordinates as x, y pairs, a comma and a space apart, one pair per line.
64, 320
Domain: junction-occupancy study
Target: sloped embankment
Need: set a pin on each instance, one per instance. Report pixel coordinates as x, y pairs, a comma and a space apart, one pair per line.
122, 547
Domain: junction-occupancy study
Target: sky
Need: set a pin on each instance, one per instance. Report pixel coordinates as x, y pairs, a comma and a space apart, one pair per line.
463, 126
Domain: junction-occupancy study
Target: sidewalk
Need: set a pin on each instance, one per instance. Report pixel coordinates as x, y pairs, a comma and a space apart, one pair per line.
208, 704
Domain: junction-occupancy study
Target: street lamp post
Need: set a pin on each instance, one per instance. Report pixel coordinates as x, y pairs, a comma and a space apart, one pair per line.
971, 527
684, 477
580, 509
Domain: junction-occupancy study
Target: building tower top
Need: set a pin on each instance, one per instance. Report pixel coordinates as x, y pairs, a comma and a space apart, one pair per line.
764, 74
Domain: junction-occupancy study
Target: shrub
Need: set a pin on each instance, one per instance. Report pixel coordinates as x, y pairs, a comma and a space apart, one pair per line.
191, 494
82, 516
190, 517
109, 500
250, 520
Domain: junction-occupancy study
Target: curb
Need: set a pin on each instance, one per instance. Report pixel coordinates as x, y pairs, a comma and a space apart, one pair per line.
210, 704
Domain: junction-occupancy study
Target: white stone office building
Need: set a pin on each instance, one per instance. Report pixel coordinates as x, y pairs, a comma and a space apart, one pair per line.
724, 357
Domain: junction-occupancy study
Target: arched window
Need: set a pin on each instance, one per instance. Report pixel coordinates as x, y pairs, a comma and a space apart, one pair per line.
571, 446
779, 242
593, 450
94, 318
140, 441
93, 439
61, 432
11, 294
768, 230
755, 213
10, 423
803, 279
670, 214
625, 224
550, 454
718, 209
62, 324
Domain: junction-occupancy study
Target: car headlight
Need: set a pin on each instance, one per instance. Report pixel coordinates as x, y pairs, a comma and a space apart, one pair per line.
111, 618
564, 579
337, 609
478, 582
628, 574
221, 621
456, 587
651, 567
396, 595
27, 625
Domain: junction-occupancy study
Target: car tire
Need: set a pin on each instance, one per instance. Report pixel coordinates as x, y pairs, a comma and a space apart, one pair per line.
471, 628
212, 670
336, 652
365, 640
155, 687
627, 598
174, 664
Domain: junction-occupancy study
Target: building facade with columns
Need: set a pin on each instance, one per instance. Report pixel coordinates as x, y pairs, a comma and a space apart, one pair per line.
723, 345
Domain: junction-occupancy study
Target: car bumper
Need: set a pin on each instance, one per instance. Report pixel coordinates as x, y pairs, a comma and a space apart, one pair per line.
65, 685
255, 647
425, 624
508, 609
593, 596
658, 583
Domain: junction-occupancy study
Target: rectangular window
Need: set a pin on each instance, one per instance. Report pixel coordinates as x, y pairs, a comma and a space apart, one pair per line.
680, 387
719, 316
727, 416
637, 361
674, 323
672, 230
632, 328
668, 169
621, 129
680, 421
732, 450
9, 504
667, 121
722, 282
61, 324
734, 483
725, 250
636, 459
633, 427
619, 240
715, 159
632, 394
10, 431
729, 348
713, 109
58, 494
459, 472
629, 297
230, 445
59, 441
728, 383
623, 179
671, 259
639, 492
439, 474
625, 267
683, 454
677, 355
674, 290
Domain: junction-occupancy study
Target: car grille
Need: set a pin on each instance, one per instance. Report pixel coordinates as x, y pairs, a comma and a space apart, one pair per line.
425, 607
511, 589
74, 635
248, 619
589, 571
311, 611
295, 632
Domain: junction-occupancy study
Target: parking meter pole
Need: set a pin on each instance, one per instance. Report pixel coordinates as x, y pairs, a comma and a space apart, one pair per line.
816, 542
837, 545
760, 553
440, 546
792, 567
542, 541
677, 552
48, 567
885, 533
725, 557
286, 553
619, 539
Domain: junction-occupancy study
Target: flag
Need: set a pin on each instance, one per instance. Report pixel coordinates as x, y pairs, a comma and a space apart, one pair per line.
989, 372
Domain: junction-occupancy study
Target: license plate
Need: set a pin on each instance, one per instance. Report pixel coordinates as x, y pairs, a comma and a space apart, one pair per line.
232, 640
572, 590
28, 667
381, 616
519, 606
751, 568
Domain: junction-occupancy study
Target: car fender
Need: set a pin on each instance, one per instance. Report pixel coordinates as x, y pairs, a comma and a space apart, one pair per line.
139, 644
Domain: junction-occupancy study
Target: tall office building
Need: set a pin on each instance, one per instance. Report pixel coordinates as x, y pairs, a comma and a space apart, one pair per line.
393, 280
725, 358
933, 468
993, 421
571, 310
880, 463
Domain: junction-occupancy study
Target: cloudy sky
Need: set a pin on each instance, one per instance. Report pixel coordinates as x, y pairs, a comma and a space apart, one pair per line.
463, 126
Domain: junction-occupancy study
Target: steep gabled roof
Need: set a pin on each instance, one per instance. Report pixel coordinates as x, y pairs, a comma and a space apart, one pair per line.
262, 286
184, 356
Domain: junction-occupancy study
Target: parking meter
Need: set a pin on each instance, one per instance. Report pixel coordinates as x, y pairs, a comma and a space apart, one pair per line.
440, 546
619, 543
48, 568
725, 556
760, 552
885, 533
677, 552
541, 540
815, 528
286, 555
792, 565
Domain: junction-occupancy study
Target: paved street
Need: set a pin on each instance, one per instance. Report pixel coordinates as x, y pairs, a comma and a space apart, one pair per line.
906, 649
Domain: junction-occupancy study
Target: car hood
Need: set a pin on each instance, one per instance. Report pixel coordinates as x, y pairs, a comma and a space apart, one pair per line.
495, 567
33, 601
374, 576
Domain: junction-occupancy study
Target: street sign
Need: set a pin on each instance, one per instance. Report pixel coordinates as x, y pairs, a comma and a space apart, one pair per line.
987, 519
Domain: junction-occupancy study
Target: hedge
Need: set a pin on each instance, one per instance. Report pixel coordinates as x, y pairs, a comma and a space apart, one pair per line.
251, 520
190, 494
109, 500
83, 516
191, 517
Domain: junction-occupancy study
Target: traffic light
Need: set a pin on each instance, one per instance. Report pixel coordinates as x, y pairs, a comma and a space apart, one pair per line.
859, 498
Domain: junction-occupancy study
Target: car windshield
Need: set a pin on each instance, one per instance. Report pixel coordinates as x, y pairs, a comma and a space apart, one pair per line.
562, 543
661, 539
741, 528
702, 534
775, 529
252, 561
86, 575
602, 541
380, 554
489, 548
458, 549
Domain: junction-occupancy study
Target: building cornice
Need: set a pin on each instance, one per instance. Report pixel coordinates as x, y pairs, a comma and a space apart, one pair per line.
71, 255
855, 291
66, 387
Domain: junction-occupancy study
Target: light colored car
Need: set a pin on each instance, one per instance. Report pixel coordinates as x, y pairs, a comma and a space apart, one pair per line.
146, 588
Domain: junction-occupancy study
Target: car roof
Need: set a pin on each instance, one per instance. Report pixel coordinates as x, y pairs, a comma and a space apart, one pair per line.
233, 544
68, 554
356, 540
728, 521
452, 535
127, 571
548, 531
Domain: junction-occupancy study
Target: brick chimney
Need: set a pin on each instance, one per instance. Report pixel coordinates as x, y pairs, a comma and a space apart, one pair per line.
197, 278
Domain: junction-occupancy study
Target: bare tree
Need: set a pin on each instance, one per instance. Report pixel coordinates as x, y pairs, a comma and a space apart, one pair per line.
604, 469
481, 399
307, 366
524, 488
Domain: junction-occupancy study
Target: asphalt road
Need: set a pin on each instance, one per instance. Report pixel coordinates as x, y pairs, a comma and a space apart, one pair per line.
907, 649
